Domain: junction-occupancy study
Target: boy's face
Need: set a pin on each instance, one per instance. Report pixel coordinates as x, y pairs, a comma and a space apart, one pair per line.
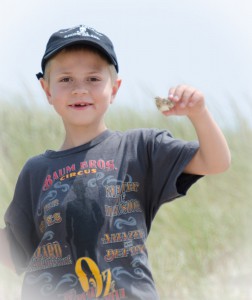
80, 87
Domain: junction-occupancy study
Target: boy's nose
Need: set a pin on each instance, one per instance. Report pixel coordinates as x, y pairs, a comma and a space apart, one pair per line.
80, 88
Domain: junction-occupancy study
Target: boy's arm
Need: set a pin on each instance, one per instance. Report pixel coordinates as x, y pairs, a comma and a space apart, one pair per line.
213, 155
5, 255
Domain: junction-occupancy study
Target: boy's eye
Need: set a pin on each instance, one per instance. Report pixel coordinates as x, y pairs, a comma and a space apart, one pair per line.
65, 79
93, 79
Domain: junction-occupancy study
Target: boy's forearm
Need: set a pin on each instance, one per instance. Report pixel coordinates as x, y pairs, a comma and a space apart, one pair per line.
213, 155
5, 256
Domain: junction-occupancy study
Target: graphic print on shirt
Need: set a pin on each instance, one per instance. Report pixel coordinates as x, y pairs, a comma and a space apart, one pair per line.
78, 170
125, 238
117, 190
48, 255
84, 220
87, 215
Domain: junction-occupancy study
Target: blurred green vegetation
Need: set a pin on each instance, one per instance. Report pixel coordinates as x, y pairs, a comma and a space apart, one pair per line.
199, 246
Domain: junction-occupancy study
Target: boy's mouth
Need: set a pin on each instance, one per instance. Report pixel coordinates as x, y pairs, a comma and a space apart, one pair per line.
80, 105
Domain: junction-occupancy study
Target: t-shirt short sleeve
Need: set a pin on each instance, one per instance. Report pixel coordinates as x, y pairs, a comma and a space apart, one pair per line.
169, 158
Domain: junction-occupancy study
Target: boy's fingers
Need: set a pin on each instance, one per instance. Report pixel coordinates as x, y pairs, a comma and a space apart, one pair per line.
171, 93
196, 97
187, 96
182, 94
178, 91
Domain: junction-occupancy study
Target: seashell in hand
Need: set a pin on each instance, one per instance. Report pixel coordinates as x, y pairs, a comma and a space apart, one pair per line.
164, 104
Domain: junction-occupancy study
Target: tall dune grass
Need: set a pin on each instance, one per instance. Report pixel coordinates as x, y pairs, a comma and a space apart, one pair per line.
199, 246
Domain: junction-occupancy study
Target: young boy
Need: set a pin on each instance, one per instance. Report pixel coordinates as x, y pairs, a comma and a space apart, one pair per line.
80, 216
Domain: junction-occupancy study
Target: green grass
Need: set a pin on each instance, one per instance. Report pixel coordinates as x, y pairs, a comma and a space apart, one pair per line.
199, 246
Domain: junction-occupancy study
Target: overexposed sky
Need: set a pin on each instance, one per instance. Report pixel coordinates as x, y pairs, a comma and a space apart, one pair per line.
159, 43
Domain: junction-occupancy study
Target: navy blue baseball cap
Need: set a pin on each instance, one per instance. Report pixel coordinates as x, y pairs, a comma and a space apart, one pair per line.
79, 35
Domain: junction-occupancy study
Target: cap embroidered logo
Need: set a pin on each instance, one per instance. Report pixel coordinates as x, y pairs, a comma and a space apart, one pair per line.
83, 31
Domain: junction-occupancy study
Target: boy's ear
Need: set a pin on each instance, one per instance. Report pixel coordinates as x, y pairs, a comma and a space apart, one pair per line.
115, 89
45, 86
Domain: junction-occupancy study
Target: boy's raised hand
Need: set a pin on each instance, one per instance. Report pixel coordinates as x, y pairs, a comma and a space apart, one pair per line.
213, 155
188, 101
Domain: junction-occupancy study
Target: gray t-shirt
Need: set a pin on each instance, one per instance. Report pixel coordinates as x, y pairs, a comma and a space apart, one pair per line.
79, 218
